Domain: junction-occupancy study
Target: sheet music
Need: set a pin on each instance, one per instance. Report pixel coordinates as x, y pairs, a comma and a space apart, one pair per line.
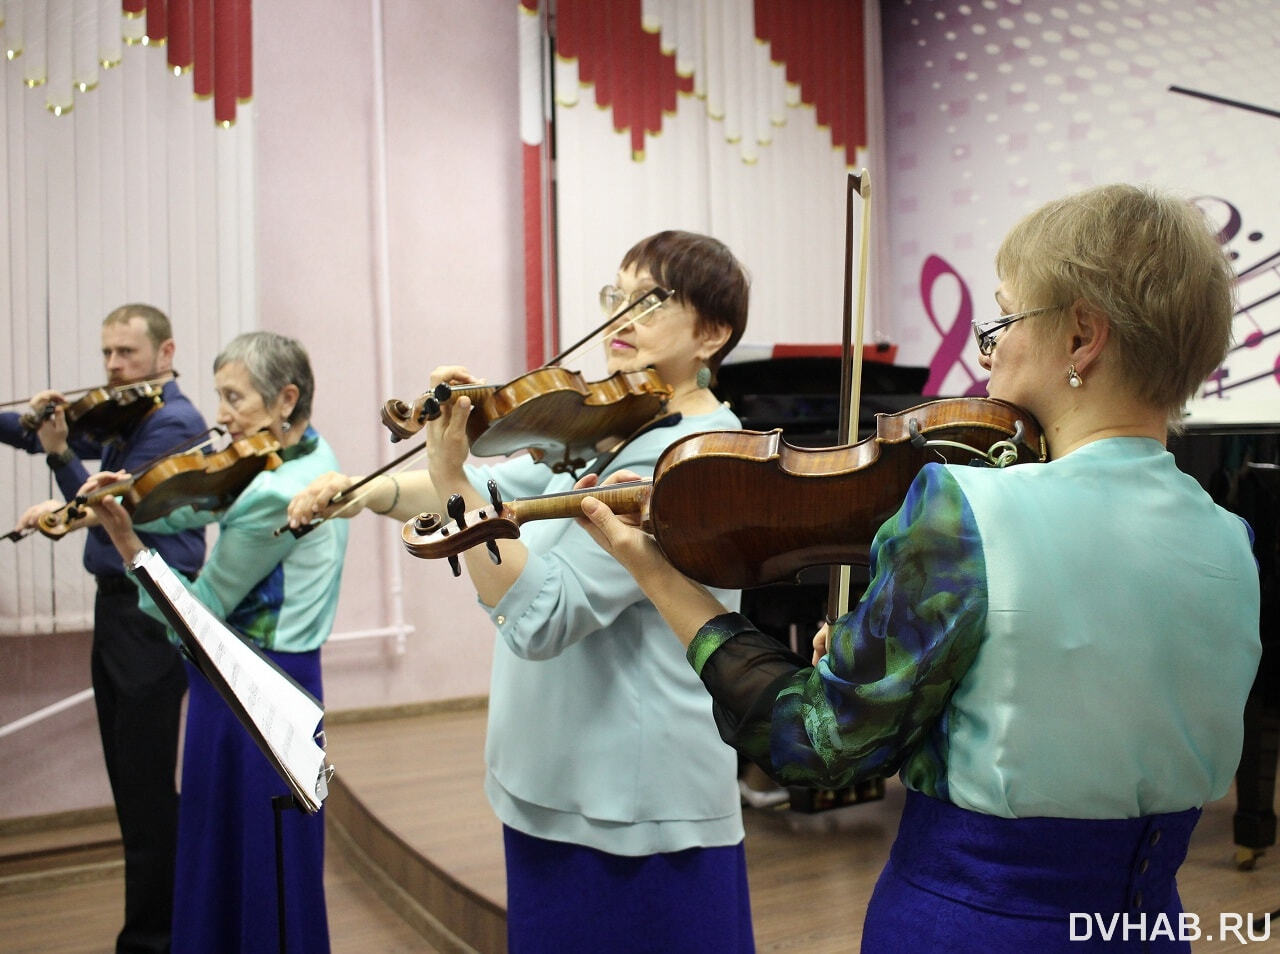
280, 715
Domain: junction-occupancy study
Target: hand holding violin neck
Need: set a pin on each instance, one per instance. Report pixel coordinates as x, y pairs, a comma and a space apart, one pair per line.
431, 536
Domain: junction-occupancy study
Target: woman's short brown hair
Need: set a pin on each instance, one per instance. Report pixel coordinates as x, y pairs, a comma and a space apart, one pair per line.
704, 274
1151, 263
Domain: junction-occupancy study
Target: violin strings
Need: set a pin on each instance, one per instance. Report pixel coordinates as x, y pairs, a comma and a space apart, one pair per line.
122, 384
190, 443
361, 485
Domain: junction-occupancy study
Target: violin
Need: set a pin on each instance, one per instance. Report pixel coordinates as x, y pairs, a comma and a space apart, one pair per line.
103, 413
552, 412
737, 509
549, 411
205, 480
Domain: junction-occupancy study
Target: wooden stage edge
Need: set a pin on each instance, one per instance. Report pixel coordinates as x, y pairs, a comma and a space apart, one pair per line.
407, 807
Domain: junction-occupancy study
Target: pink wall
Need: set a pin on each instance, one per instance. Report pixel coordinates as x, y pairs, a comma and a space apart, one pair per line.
454, 264
454, 269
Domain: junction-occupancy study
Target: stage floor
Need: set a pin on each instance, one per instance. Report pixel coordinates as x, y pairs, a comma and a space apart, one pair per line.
810, 875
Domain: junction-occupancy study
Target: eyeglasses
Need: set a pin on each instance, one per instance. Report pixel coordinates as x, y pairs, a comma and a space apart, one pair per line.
987, 333
614, 302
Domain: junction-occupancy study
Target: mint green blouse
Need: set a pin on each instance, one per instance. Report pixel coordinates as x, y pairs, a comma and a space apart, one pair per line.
280, 592
1072, 639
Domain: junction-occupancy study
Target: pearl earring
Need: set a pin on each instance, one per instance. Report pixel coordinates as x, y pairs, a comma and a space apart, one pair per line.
284, 426
1073, 377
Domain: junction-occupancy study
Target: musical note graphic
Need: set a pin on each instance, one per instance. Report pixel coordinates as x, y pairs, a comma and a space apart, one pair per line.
1248, 379
1249, 374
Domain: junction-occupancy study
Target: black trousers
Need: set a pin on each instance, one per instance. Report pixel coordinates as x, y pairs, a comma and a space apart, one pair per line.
138, 684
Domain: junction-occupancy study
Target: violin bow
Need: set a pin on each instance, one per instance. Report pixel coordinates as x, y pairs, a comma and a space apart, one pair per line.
123, 384
349, 496
659, 293
851, 362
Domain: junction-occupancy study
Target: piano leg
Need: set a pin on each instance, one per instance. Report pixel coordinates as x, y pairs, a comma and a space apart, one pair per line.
1255, 818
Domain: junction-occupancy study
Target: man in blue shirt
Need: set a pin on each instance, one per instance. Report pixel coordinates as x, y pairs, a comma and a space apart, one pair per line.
138, 677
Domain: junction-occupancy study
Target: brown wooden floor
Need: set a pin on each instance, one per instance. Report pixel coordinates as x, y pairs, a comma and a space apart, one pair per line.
419, 778
422, 777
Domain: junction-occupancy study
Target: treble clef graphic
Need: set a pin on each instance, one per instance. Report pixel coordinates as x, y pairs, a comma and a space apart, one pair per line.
956, 336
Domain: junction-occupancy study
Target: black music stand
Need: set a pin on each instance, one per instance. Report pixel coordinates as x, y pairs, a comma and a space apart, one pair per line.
280, 716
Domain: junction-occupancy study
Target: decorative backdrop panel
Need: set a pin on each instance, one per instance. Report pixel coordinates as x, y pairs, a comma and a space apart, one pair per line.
995, 106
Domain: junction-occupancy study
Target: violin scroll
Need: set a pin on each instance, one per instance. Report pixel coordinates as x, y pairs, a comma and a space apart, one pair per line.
429, 536
404, 420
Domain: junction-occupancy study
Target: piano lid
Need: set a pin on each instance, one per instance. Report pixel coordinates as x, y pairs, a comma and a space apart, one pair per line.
801, 394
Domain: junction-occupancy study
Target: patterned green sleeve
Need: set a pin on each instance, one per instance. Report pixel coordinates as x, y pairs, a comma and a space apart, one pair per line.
878, 698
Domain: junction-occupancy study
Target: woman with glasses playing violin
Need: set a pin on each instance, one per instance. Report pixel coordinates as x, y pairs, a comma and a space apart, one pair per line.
619, 802
1032, 652
281, 594
138, 679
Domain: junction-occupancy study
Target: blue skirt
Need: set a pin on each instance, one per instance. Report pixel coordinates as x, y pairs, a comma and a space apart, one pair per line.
225, 885
570, 899
960, 881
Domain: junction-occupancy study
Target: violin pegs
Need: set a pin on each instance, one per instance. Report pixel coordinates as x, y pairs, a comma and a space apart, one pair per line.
430, 410
495, 498
442, 392
455, 566
492, 547
457, 508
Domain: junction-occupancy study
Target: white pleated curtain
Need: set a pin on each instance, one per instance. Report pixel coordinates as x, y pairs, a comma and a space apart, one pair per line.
740, 153
117, 186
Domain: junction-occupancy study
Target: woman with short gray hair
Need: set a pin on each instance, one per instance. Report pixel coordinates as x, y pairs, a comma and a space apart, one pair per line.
279, 593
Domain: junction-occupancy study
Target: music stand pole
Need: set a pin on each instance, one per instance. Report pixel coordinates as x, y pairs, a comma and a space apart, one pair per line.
280, 804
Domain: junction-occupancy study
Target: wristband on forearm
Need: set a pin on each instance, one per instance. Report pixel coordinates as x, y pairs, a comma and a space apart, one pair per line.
60, 459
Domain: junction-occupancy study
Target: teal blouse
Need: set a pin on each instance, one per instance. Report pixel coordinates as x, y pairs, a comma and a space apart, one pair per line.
279, 592
599, 733
1033, 642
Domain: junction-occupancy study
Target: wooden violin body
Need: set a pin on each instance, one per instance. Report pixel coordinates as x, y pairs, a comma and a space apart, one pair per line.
106, 412
738, 509
554, 413
205, 480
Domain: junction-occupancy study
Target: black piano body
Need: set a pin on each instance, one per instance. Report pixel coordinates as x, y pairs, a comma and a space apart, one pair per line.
1239, 465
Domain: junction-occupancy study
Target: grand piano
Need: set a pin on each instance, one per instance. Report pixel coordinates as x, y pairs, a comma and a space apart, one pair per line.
1238, 466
